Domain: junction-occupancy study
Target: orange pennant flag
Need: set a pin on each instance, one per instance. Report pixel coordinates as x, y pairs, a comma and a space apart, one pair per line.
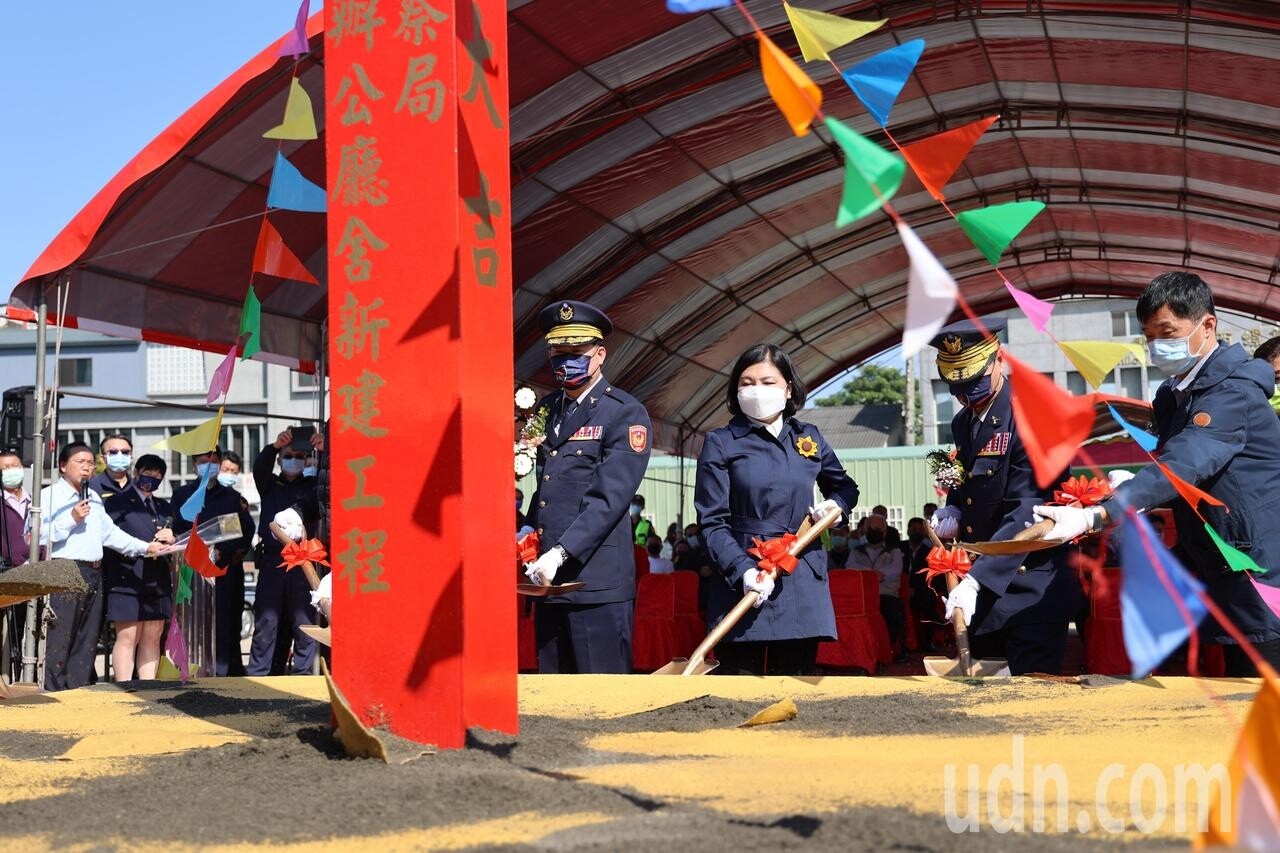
798, 97
273, 257
935, 159
1244, 813
1051, 422
197, 557
1191, 494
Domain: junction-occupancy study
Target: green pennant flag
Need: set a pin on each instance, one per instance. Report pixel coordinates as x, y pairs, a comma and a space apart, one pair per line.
185, 573
250, 325
1238, 560
866, 165
993, 228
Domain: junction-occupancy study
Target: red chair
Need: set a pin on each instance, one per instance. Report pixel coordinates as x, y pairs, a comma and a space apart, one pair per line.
860, 638
871, 591
1104, 652
526, 644
642, 561
691, 627
654, 640
904, 594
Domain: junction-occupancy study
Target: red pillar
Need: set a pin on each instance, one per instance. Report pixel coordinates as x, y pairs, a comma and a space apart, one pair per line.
423, 537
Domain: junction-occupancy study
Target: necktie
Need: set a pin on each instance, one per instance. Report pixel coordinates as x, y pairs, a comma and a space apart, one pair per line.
151, 508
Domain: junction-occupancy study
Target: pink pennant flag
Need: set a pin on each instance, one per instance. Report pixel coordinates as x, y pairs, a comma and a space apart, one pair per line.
931, 294
176, 646
1037, 310
221, 383
1269, 594
295, 44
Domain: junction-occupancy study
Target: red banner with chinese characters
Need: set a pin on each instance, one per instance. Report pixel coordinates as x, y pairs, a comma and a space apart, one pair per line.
402, 299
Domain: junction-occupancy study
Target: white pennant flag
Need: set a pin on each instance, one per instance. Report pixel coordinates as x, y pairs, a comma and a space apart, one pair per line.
931, 294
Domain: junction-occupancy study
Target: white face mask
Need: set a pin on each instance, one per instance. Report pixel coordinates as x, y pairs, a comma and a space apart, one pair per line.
762, 402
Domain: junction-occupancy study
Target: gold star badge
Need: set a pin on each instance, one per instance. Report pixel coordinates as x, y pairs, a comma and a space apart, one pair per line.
566, 312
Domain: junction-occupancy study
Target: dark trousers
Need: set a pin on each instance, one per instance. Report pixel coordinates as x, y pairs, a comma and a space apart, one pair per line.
228, 594
281, 603
1031, 647
775, 657
583, 638
895, 620
73, 633
1238, 664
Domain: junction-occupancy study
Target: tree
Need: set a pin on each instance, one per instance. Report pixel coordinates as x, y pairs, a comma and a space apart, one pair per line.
873, 385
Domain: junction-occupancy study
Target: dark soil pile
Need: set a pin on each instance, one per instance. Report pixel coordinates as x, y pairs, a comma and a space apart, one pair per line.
43, 578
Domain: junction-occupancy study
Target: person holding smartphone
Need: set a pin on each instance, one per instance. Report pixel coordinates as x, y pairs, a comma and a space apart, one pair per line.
282, 602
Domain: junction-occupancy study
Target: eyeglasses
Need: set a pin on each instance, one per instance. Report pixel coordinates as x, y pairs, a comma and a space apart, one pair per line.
119, 452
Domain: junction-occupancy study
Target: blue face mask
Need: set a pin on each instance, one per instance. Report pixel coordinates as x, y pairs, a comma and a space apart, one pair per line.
974, 392
635, 509
839, 543
310, 471
119, 461
693, 541
207, 469
1173, 355
292, 467
226, 479
572, 370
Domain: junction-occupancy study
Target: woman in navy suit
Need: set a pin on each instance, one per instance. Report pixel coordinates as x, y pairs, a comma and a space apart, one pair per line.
139, 589
756, 478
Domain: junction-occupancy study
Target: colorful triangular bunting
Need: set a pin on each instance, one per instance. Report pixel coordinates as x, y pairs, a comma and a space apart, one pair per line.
1051, 423
936, 158
194, 505
250, 333
295, 44
1096, 359
273, 257
993, 228
1190, 493
221, 382
798, 97
931, 294
688, 7
871, 174
1237, 560
1247, 816
878, 81
1144, 439
201, 438
818, 33
290, 191
1155, 624
1037, 310
299, 121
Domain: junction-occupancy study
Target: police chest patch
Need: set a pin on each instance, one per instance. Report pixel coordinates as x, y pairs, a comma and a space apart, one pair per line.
997, 446
1201, 419
587, 433
638, 434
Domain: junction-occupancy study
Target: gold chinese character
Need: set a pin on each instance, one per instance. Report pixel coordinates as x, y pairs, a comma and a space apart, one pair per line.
357, 110
361, 561
485, 261
358, 328
415, 16
419, 94
354, 18
361, 500
358, 180
480, 52
360, 405
486, 207
357, 240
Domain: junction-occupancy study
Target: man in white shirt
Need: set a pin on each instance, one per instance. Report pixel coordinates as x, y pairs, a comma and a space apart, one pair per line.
77, 527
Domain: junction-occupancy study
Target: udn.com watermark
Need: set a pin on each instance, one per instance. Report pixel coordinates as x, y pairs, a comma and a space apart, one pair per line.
1146, 798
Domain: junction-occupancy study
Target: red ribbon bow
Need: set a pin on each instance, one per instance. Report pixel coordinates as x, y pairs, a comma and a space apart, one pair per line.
527, 547
941, 562
306, 551
1077, 491
775, 554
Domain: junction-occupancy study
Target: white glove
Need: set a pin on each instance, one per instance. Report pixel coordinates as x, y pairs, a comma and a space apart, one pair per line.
1118, 476
1068, 521
964, 598
756, 580
290, 524
324, 590
946, 522
542, 571
819, 512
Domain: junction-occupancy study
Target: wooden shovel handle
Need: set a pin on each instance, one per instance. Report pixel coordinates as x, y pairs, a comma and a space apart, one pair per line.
806, 538
308, 570
1035, 531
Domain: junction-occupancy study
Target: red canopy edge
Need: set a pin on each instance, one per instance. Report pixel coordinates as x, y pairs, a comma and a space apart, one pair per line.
74, 238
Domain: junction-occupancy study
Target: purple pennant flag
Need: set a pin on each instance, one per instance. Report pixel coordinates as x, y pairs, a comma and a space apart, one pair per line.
1154, 624
295, 44
176, 646
221, 383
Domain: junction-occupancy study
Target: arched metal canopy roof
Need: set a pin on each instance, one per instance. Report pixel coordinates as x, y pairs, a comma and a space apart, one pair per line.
653, 176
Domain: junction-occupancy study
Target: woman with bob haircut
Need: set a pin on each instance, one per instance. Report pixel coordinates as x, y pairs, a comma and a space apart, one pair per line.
756, 479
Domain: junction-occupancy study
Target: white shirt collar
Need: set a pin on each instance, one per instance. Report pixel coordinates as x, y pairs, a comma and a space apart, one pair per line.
1186, 381
774, 429
582, 395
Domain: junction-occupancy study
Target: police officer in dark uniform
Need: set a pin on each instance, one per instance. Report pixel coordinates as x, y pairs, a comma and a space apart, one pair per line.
117, 456
589, 466
1216, 430
1018, 606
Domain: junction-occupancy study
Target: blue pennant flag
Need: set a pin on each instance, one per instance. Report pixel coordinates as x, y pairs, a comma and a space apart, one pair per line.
688, 7
1153, 623
1145, 440
291, 191
195, 504
878, 80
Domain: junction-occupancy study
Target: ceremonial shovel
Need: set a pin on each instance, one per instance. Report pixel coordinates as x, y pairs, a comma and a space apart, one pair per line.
696, 664
964, 665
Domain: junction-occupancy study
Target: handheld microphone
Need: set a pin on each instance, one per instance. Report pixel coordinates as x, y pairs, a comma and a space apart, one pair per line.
84, 488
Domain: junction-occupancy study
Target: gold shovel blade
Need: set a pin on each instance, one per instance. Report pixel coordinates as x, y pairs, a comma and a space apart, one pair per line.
680, 666
950, 668
538, 590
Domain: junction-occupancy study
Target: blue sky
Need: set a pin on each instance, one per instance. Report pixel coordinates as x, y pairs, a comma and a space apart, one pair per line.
90, 82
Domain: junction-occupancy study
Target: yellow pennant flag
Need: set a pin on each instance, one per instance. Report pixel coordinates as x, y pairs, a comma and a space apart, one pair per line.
1096, 359
201, 439
299, 121
818, 33
796, 95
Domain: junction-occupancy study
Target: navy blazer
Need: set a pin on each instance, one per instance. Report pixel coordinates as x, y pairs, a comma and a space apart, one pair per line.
1225, 438
750, 484
588, 472
995, 502
130, 514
